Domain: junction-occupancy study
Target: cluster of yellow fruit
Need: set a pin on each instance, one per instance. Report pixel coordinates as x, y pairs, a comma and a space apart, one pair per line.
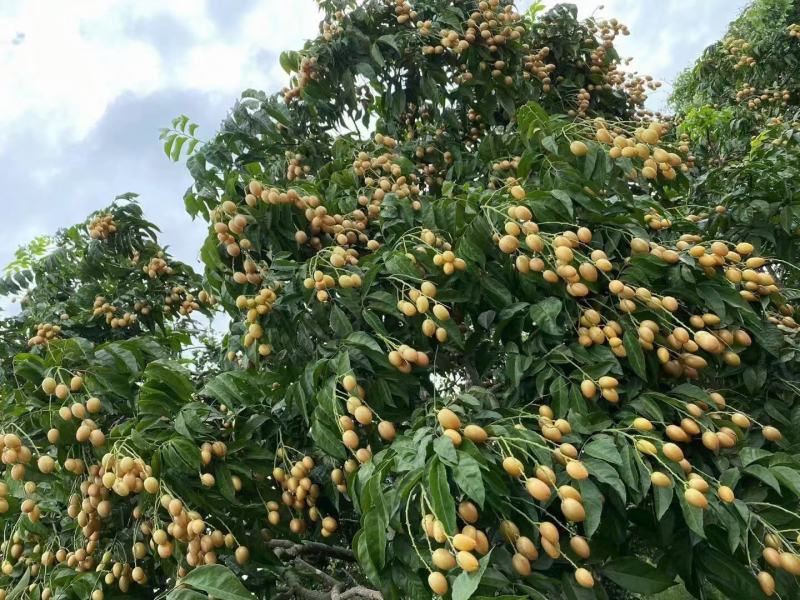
608, 385
506, 165
256, 306
794, 30
331, 30
299, 494
756, 98
737, 48
405, 357
101, 226
44, 333
534, 64
307, 71
552, 429
364, 416
14, 454
295, 169
451, 428
554, 256
463, 546
102, 307
656, 160
443, 256
403, 12
656, 221
489, 25
322, 282
157, 266
777, 556
423, 302
181, 298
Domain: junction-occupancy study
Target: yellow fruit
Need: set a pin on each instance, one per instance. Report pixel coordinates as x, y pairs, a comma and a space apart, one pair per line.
448, 419
363, 415
573, 510
578, 148
642, 424
475, 433
659, 479
538, 489
513, 466
646, 447
588, 388
526, 548
467, 561
49, 386
695, 498
580, 547
521, 565
508, 244
767, 583
576, 470
725, 494
509, 530
468, 512
463, 542
771, 433
438, 583
790, 563
386, 430
584, 578
442, 559
518, 192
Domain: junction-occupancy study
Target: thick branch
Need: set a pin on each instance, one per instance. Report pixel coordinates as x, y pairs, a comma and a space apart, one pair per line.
292, 549
356, 592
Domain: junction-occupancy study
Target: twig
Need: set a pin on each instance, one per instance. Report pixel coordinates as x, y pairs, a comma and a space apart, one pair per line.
292, 549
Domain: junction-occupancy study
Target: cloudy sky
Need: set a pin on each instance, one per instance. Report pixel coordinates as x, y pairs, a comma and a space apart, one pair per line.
85, 86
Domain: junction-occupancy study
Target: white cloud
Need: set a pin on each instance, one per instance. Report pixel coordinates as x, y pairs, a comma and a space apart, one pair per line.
77, 57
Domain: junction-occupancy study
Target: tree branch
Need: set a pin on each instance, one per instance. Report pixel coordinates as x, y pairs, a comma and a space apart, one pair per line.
292, 549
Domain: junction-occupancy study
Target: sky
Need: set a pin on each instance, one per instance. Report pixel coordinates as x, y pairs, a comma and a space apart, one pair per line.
85, 85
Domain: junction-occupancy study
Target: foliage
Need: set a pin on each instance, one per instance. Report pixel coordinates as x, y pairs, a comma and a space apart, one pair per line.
481, 343
739, 107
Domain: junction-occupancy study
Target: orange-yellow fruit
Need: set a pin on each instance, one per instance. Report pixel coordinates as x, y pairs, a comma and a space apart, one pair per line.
448, 419
438, 583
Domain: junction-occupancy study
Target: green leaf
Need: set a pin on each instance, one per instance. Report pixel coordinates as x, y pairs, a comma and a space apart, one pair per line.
544, 315
764, 474
218, 581
563, 197
637, 576
340, 324
444, 448
633, 350
440, 496
375, 535
603, 447
467, 475
788, 477
466, 583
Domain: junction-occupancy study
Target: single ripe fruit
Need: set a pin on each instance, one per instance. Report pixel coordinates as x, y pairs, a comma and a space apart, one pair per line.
444, 560
521, 565
438, 583
467, 561
578, 148
49, 386
767, 583
573, 510
475, 433
513, 466
468, 512
696, 498
448, 419
463, 542
584, 578
725, 494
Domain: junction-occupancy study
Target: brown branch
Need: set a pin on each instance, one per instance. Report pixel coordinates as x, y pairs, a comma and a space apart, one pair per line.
356, 592
292, 549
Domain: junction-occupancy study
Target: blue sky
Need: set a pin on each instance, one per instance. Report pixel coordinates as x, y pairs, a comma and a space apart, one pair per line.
86, 85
